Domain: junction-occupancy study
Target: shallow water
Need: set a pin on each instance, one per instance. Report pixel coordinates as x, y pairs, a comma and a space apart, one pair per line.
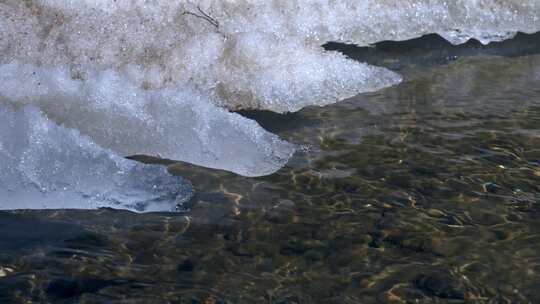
427, 192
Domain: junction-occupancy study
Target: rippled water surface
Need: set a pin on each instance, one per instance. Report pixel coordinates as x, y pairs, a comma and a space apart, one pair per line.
427, 192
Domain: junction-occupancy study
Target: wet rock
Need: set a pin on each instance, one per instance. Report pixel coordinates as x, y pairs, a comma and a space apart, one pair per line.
451, 247
337, 173
186, 266
5, 271
348, 186
288, 300
435, 212
239, 250
283, 212
501, 235
63, 288
266, 265
314, 255
413, 243
87, 240
400, 180
286, 204
486, 218
438, 284
11, 287
16, 236
491, 187
67, 288
425, 171
263, 249
375, 240
294, 247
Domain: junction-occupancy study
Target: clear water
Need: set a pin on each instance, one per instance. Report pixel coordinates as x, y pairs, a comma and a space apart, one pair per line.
427, 192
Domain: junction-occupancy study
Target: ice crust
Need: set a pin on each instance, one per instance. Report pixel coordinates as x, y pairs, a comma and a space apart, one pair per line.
45, 166
157, 77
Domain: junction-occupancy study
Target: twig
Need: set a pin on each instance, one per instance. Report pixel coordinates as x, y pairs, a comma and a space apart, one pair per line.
203, 15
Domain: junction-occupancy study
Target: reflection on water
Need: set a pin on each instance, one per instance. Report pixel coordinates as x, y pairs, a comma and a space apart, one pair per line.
428, 192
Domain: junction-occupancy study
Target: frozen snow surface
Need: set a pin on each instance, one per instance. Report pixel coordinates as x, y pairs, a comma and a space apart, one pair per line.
95, 80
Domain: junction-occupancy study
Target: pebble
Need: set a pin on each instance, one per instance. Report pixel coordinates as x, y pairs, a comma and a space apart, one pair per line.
5, 271
435, 212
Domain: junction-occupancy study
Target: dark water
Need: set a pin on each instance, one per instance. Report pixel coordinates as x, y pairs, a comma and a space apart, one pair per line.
427, 192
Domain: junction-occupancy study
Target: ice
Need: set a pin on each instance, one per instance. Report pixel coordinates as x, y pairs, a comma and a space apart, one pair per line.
173, 123
45, 166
